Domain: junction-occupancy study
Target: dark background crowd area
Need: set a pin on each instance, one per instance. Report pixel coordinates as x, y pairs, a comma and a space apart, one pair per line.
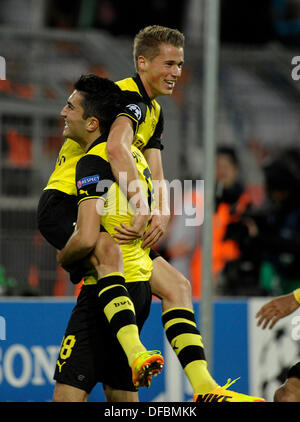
241, 22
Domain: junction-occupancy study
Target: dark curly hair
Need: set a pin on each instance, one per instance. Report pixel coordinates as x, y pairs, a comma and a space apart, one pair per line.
102, 98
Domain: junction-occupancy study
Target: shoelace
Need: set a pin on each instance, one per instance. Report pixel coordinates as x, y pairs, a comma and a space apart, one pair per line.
230, 382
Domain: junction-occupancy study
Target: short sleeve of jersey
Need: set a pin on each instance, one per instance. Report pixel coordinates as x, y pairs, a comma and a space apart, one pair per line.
156, 138
94, 177
135, 110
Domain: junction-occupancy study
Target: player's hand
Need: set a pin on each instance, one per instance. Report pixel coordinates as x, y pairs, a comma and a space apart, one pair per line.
276, 309
126, 234
158, 225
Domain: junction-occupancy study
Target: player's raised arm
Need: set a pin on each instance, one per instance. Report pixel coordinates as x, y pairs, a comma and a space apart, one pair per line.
124, 169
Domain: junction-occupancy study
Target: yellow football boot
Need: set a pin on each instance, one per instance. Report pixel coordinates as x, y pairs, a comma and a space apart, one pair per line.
221, 394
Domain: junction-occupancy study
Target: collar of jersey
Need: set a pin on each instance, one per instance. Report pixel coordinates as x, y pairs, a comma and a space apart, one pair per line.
142, 89
102, 138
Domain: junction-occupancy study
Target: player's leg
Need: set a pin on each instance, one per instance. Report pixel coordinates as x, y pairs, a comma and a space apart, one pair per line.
114, 395
75, 371
89, 354
290, 390
116, 302
68, 393
151, 362
169, 284
56, 215
114, 372
113, 295
182, 332
179, 323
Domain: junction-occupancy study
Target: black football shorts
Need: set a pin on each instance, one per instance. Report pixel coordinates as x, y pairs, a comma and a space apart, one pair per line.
89, 352
56, 216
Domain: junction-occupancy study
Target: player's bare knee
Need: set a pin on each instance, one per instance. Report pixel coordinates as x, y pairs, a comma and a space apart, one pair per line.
183, 287
281, 395
58, 397
113, 253
114, 395
180, 290
288, 392
277, 395
110, 393
107, 250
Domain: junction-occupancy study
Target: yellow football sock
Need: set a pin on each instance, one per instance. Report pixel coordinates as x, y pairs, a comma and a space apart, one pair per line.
120, 313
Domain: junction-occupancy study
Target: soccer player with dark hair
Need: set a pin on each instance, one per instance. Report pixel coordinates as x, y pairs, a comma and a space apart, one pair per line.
108, 311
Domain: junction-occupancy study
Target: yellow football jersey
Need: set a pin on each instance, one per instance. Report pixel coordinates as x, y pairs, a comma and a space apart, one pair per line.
94, 179
147, 118
150, 124
63, 176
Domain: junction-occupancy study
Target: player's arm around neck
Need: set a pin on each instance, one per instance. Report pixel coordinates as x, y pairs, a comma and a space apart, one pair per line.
121, 160
85, 236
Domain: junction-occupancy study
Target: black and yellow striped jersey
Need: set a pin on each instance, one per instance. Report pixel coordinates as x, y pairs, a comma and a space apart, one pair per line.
150, 127
147, 119
94, 179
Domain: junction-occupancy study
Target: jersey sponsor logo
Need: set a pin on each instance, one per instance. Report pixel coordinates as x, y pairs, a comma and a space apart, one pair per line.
122, 303
89, 180
135, 109
212, 398
24, 366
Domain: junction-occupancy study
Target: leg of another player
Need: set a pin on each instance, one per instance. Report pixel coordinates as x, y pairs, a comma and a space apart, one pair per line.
289, 391
67, 393
113, 395
183, 335
180, 324
170, 285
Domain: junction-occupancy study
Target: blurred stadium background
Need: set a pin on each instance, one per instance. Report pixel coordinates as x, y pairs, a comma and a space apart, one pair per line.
47, 44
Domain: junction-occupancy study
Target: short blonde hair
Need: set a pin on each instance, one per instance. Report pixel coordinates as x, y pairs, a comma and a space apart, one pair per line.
148, 40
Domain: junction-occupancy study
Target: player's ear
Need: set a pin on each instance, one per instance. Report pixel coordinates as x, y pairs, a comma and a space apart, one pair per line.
142, 63
92, 124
